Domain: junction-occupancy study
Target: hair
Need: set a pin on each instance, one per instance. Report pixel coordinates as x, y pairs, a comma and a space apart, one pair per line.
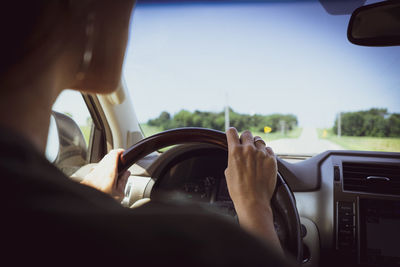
27, 26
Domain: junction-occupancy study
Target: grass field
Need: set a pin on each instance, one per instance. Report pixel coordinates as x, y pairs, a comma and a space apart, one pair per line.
150, 130
388, 144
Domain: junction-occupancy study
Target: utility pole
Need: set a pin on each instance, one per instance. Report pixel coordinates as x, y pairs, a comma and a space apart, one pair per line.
283, 126
226, 112
339, 126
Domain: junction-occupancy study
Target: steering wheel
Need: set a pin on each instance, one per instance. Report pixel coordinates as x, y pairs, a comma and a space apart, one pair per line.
283, 202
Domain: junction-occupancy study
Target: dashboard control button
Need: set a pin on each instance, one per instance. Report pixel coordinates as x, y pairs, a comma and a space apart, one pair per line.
345, 225
345, 244
346, 231
348, 226
347, 220
346, 238
346, 207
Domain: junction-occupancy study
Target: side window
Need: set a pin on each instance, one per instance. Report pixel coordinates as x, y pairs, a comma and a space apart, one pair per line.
71, 103
70, 132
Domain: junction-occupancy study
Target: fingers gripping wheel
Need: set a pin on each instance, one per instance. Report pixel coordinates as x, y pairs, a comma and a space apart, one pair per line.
283, 202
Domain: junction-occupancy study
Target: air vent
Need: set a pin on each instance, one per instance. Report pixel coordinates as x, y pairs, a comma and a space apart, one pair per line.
372, 178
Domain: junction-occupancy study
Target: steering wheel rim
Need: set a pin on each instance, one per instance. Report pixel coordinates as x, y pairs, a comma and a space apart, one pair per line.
283, 201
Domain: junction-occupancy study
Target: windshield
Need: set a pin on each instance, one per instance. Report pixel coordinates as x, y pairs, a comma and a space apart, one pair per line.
284, 70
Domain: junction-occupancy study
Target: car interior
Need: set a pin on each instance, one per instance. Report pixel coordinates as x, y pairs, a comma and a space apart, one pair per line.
334, 208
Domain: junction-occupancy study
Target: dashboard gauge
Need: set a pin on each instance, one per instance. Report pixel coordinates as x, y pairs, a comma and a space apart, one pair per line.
225, 207
199, 189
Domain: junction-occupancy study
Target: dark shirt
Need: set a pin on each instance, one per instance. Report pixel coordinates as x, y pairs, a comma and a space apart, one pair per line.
50, 219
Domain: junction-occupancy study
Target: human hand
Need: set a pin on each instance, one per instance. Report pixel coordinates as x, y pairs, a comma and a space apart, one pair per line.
251, 179
104, 176
251, 172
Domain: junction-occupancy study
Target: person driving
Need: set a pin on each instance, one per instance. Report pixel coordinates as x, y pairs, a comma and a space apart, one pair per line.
49, 46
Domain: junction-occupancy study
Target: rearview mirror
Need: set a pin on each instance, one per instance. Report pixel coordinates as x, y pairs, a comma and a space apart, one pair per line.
375, 25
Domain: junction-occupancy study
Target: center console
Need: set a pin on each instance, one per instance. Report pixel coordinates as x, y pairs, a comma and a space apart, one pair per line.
367, 220
379, 232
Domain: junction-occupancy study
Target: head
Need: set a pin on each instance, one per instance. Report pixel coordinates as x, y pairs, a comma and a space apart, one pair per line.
77, 44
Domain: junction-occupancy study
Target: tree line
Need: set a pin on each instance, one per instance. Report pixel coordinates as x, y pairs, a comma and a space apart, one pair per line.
374, 122
216, 120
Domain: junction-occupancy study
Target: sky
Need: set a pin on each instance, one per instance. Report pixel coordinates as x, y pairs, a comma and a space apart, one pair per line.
259, 58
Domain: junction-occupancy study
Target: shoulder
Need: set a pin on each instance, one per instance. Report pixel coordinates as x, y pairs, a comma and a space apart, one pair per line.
186, 234
153, 235
53, 219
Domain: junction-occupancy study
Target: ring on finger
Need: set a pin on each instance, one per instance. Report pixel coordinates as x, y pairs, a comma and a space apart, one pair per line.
259, 139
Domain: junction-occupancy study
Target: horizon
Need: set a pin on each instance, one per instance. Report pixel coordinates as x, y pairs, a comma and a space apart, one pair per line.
213, 54
371, 71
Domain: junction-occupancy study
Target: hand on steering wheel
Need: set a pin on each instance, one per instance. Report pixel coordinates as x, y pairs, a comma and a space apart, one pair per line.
104, 176
283, 204
251, 172
251, 179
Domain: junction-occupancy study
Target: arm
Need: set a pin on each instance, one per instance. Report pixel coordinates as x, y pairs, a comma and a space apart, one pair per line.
251, 179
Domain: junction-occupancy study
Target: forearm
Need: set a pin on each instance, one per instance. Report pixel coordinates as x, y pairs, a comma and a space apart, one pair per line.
258, 220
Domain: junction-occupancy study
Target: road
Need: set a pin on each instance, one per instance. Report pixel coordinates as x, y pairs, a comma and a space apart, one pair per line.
307, 143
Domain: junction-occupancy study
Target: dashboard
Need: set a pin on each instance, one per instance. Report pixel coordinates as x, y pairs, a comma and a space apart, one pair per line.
197, 176
348, 201
353, 197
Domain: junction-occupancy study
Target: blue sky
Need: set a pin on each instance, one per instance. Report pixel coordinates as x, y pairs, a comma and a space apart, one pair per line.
269, 58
